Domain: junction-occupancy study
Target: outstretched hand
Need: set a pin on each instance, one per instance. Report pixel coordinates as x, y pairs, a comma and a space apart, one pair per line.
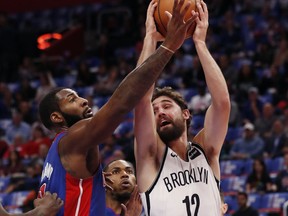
201, 22
134, 205
177, 27
150, 22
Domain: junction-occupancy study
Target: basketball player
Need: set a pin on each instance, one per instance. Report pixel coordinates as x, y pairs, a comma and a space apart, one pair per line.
72, 167
176, 176
122, 196
49, 205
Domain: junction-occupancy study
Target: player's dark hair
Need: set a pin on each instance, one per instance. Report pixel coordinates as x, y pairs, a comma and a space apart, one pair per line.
242, 193
175, 96
48, 105
107, 165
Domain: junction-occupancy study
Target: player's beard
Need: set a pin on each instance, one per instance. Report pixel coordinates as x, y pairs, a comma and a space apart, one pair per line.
172, 132
71, 119
122, 197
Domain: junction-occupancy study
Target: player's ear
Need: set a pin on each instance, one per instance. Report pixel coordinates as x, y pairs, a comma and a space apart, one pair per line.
186, 114
56, 117
224, 208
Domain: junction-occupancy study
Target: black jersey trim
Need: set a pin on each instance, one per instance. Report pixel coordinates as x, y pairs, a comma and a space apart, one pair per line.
155, 182
199, 147
159, 172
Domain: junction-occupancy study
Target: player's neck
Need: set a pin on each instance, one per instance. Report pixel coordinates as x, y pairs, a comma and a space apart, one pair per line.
114, 205
180, 146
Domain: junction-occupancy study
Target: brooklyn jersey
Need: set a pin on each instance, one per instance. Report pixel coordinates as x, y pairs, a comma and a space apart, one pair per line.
82, 197
183, 188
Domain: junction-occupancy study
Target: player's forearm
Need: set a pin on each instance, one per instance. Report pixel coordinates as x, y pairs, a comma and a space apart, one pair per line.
214, 78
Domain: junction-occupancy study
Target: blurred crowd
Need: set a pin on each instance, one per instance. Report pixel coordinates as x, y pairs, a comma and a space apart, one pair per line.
248, 39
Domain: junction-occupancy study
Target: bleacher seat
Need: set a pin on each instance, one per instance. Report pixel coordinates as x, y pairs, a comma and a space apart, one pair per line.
248, 167
2, 197
273, 202
4, 181
255, 200
197, 123
15, 199
232, 168
233, 133
274, 165
188, 93
231, 185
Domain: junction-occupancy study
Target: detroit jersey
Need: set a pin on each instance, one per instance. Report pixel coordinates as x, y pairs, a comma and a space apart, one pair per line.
82, 197
183, 188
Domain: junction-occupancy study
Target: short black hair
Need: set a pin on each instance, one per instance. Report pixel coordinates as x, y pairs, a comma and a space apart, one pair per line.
48, 105
107, 165
242, 193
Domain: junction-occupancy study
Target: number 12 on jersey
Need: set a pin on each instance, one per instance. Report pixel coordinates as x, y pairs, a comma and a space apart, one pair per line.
194, 200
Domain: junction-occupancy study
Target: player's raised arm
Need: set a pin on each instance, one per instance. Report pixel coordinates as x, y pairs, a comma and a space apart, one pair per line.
217, 115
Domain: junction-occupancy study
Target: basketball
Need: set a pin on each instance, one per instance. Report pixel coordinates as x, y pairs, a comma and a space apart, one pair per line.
161, 19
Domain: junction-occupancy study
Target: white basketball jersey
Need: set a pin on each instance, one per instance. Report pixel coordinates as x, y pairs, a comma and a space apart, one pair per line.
183, 188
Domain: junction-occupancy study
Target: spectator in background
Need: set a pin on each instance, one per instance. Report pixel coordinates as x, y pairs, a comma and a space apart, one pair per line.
108, 148
47, 83
259, 181
275, 142
246, 79
265, 120
251, 109
31, 148
3, 144
243, 208
250, 145
6, 101
84, 75
282, 177
25, 108
27, 69
229, 72
17, 127
201, 101
28, 180
25, 91
110, 80
13, 165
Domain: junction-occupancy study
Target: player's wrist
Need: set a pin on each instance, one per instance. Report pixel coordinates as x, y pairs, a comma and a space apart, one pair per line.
168, 47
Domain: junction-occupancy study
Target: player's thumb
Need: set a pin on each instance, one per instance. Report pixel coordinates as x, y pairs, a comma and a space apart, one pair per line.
169, 15
123, 210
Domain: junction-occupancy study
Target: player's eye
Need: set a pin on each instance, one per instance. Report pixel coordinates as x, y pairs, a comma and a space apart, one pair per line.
115, 171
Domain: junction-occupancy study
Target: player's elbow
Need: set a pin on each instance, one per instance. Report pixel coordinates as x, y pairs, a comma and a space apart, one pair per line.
222, 104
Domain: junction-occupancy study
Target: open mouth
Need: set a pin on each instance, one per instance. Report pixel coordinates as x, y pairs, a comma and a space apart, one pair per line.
164, 123
88, 113
125, 184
